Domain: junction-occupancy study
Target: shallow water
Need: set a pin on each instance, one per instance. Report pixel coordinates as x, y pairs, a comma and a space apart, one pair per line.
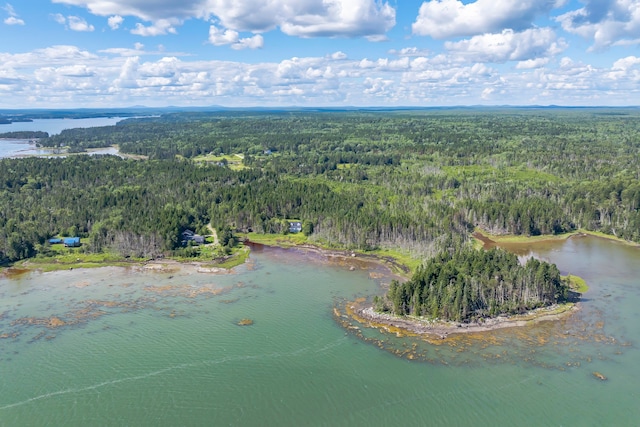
163, 348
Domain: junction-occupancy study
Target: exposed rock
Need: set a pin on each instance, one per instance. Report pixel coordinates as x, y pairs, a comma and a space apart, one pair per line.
599, 376
245, 322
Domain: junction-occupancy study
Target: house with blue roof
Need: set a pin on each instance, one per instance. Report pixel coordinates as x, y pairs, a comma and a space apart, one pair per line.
71, 242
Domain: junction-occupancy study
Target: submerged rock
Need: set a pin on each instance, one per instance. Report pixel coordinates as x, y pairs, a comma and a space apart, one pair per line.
245, 322
599, 376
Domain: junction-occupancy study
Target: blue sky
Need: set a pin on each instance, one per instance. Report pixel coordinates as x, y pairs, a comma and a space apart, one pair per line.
243, 53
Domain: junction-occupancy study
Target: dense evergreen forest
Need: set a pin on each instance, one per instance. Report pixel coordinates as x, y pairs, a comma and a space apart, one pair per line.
416, 180
468, 284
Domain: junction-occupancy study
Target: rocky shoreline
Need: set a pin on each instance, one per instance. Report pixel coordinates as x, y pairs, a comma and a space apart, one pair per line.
443, 329
386, 261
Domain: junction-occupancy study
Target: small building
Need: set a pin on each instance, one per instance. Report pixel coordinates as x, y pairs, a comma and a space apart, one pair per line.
295, 227
71, 242
55, 241
191, 236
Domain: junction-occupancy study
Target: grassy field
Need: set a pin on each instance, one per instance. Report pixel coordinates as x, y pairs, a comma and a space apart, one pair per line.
75, 258
400, 257
282, 240
234, 161
577, 283
607, 236
510, 238
239, 257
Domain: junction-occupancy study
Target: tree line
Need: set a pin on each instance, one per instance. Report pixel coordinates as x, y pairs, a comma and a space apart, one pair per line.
364, 180
464, 284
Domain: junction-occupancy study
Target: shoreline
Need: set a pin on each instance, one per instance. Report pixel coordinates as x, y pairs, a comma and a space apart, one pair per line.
367, 316
485, 237
395, 266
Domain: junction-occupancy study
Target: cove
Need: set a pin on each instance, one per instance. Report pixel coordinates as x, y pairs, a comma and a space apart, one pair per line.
139, 347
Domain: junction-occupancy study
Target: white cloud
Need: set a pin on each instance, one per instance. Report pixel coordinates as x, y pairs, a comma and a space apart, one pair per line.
605, 22
532, 63
302, 18
486, 93
626, 63
338, 56
451, 18
509, 46
9, 76
138, 50
78, 24
115, 21
59, 18
255, 42
219, 37
342, 18
78, 70
410, 51
159, 27
73, 23
71, 76
13, 18
144, 9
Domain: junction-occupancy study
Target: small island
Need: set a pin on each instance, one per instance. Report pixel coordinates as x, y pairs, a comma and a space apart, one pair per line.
473, 290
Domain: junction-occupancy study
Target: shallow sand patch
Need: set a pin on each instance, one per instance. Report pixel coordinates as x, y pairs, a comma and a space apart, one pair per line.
369, 317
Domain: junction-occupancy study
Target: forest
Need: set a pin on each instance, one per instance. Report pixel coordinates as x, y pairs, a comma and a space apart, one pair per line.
468, 284
419, 181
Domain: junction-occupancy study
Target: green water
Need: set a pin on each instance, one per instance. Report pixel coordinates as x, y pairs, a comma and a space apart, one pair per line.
164, 348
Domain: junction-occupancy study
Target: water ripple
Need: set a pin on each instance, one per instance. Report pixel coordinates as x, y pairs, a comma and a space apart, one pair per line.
298, 352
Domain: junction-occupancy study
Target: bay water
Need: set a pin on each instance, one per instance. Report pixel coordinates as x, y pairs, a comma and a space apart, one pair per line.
22, 147
56, 126
141, 346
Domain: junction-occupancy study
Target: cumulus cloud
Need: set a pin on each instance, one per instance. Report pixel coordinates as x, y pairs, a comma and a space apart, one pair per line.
53, 56
605, 22
139, 50
143, 9
159, 27
302, 18
71, 76
78, 24
9, 76
625, 71
219, 37
13, 18
626, 63
441, 19
254, 42
346, 18
532, 63
115, 21
410, 51
73, 23
509, 46
78, 70
486, 92
59, 18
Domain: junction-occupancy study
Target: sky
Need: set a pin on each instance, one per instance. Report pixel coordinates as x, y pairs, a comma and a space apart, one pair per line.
318, 53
